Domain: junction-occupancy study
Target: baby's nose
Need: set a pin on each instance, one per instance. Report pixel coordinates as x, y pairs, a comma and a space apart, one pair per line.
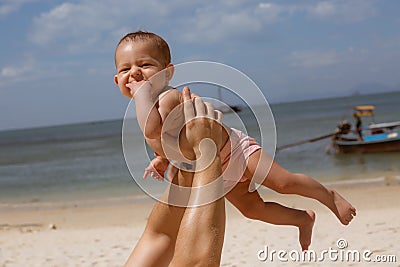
136, 74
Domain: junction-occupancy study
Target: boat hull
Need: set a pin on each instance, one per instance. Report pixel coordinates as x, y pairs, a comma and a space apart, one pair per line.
374, 146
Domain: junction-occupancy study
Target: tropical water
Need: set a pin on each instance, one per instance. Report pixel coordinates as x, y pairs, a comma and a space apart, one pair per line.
86, 161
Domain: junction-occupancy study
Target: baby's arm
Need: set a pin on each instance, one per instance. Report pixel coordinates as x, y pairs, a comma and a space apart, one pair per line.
167, 102
148, 117
156, 168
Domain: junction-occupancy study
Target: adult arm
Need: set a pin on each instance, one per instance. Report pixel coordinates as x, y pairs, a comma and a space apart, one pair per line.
157, 247
201, 233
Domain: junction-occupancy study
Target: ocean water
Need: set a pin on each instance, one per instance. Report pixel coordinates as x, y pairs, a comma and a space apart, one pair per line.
85, 161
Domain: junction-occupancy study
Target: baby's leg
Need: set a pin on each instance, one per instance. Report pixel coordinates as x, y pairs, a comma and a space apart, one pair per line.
252, 206
285, 182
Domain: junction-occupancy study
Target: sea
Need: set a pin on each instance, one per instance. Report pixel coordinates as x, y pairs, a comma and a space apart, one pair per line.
85, 161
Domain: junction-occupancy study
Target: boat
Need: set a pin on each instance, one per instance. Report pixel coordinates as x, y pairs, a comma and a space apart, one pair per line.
376, 137
225, 108
229, 109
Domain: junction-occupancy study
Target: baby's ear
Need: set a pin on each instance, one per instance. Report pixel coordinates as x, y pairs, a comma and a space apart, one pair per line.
116, 79
170, 69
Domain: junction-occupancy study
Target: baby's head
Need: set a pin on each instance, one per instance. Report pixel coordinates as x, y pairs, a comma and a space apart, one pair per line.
138, 56
140, 36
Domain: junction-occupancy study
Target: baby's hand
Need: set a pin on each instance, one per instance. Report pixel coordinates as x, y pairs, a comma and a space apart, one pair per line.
156, 168
160, 80
152, 87
141, 88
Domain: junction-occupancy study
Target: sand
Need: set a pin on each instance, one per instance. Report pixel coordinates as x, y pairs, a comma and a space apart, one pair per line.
103, 233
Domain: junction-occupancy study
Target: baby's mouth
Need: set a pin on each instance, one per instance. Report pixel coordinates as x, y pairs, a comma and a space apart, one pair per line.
131, 83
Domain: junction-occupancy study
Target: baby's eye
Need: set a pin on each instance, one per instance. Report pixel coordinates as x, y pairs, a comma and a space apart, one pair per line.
124, 70
146, 65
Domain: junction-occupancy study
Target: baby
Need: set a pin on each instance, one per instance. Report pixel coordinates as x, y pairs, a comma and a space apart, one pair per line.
143, 61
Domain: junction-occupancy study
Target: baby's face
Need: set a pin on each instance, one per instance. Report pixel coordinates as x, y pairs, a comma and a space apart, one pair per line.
136, 62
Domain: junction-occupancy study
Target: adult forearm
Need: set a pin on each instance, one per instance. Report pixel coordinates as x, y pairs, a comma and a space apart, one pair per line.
203, 227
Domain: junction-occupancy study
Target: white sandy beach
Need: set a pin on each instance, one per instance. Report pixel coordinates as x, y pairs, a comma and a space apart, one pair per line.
103, 234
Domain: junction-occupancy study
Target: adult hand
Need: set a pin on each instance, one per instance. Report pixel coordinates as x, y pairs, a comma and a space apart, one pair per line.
200, 122
203, 124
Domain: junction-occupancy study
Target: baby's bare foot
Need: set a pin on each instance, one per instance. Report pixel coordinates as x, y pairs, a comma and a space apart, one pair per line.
344, 210
305, 230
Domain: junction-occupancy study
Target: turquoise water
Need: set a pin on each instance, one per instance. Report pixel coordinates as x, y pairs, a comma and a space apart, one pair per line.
85, 161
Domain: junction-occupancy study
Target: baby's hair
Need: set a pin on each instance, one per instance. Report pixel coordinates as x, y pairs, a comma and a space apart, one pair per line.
160, 43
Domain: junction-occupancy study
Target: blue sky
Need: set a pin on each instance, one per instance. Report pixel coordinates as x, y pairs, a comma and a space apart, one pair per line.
57, 65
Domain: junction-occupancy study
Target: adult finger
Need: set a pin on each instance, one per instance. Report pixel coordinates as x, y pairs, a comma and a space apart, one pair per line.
218, 116
199, 106
188, 109
193, 95
186, 93
209, 110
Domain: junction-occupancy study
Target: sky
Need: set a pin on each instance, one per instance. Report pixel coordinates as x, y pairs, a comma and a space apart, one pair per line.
57, 66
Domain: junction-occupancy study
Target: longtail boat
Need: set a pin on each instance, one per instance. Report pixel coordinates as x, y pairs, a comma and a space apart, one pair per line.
376, 137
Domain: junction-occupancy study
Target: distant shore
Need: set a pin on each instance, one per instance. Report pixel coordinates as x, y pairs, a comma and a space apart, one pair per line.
103, 233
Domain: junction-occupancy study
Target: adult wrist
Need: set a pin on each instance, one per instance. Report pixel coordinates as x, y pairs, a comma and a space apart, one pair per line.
206, 159
207, 147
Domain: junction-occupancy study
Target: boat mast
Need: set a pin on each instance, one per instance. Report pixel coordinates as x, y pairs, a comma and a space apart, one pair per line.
219, 93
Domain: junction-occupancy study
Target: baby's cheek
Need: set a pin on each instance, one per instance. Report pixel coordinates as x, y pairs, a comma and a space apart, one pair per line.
126, 92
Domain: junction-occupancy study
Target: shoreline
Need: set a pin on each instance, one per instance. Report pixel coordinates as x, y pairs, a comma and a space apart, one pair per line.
380, 178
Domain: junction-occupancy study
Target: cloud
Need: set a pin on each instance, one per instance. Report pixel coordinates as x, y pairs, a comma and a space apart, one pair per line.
96, 25
219, 25
221, 22
29, 70
73, 26
314, 59
93, 25
10, 72
8, 75
323, 9
8, 8
11, 6
274, 12
343, 10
